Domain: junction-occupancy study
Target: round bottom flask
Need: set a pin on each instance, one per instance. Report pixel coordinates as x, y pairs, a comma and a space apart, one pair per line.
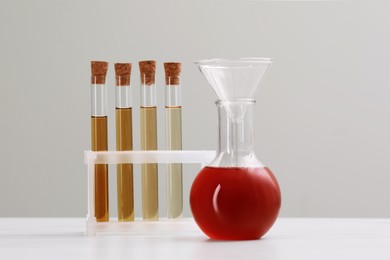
235, 203
235, 197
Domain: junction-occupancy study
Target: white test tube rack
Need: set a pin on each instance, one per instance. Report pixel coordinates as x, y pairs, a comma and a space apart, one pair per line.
91, 158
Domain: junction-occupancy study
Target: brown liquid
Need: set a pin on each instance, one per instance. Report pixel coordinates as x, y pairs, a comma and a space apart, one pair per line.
149, 171
100, 143
124, 142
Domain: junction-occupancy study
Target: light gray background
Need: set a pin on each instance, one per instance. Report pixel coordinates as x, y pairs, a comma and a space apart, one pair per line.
322, 114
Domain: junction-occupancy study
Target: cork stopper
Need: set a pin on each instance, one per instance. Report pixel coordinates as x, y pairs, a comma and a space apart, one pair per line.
122, 73
147, 70
172, 73
99, 72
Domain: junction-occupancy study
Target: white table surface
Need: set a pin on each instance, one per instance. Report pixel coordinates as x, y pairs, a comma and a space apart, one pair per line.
288, 239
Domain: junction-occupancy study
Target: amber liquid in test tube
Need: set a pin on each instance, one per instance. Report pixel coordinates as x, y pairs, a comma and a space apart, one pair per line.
99, 137
124, 141
173, 138
148, 109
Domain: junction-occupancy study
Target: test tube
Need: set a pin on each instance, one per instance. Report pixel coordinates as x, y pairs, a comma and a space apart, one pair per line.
173, 138
124, 141
99, 139
148, 110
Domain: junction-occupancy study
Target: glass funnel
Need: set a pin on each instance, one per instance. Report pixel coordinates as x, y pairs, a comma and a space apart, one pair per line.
235, 197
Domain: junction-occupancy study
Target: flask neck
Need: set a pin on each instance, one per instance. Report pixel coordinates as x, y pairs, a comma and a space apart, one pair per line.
235, 148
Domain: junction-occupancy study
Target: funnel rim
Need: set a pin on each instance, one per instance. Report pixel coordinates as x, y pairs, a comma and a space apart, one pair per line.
242, 101
228, 62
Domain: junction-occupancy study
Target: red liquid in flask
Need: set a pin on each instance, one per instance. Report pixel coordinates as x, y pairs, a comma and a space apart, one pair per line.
234, 203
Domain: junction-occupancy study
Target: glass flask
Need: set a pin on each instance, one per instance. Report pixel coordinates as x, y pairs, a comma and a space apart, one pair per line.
235, 197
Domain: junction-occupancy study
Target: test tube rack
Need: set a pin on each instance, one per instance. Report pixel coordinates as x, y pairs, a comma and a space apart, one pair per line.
91, 158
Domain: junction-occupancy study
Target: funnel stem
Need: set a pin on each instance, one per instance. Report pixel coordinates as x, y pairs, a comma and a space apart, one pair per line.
235, 141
